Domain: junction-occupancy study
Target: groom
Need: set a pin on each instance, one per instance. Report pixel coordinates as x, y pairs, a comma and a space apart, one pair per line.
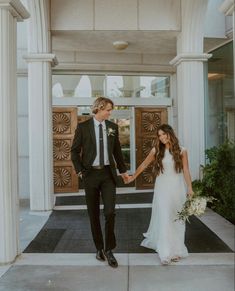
96, 152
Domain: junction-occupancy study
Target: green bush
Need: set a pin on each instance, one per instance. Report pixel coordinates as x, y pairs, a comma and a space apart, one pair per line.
219, 179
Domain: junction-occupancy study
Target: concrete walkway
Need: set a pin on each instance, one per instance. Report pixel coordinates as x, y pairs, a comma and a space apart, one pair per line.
136, 272
82, 272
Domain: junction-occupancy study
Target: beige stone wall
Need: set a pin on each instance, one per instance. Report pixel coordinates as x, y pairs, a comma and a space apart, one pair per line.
115, 15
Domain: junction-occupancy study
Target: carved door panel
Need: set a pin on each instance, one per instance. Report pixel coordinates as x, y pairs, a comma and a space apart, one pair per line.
82, 118
64, 125
146, 122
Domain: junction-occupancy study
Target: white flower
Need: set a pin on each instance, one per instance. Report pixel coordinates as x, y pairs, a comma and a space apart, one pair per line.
195, 205
111, 131
198, 206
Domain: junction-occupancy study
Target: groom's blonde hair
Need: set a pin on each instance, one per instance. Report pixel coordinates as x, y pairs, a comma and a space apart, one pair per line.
100, 103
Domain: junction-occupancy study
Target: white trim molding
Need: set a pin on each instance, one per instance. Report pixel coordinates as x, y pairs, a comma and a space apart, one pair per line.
16, 9
227, 7
133, 101
190, 57
133, 68
41, 57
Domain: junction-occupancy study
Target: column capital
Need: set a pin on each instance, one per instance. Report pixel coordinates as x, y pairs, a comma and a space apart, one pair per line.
16, 8
227, 7
190, 57
43, 57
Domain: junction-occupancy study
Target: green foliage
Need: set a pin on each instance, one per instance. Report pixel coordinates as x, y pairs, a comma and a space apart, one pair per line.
219, 179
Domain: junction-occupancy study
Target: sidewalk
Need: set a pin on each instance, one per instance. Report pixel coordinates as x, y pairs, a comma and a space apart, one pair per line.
136, 272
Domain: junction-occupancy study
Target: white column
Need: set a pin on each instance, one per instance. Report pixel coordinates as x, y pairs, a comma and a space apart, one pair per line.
190, 82
190, 97
40, 61
10, 12
40, 131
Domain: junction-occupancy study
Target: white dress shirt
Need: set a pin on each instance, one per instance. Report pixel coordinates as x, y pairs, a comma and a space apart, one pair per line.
106, 157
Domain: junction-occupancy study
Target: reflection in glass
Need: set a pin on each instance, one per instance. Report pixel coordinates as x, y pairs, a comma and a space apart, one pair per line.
220, 103
113, 86
83, 88
160, 87
75, 85
57, 90
138, 86
124, 136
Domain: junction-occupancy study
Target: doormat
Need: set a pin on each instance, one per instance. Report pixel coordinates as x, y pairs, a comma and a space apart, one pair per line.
69, 232
143, 197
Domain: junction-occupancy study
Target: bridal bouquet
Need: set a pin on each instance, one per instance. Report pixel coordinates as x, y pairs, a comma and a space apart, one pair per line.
195, 205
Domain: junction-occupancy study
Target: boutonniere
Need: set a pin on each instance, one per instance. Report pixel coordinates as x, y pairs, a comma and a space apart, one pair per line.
111, 131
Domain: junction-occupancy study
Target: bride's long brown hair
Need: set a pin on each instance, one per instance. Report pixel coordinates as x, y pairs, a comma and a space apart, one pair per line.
174, 149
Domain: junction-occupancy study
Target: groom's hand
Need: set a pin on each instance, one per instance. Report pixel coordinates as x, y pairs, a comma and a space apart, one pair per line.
125, 177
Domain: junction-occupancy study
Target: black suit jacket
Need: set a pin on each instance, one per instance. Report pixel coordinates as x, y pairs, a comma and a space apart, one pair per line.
83, 151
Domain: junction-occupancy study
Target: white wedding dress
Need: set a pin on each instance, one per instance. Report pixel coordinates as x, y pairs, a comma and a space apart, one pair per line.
165, 235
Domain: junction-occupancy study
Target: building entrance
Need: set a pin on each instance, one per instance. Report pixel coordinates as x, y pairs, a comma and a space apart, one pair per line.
137, 133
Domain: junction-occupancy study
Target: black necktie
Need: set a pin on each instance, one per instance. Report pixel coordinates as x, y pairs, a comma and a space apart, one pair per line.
101, 141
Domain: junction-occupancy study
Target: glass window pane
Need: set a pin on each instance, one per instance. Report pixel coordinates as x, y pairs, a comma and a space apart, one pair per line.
138, 86
111, 86
160, 87
83, 88
220, 105
114, 86
79, 85
57, 90
124, 137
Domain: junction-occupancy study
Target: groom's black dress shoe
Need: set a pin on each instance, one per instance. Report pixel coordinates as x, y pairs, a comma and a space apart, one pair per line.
100, 255
111, 259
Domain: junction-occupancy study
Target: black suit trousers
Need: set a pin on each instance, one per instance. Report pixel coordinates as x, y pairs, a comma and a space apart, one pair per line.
100, 183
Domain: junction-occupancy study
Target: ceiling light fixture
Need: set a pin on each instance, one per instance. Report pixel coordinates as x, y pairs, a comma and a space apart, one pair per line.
120, 44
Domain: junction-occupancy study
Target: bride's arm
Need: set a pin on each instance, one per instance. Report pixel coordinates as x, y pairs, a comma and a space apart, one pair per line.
186, 172
149, 159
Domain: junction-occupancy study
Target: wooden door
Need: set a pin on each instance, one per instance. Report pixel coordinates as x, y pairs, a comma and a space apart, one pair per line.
64, 125
82, 118
146, 122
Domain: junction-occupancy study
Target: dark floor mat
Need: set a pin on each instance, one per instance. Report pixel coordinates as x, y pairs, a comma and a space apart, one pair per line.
145, 197
74, 234
45, 241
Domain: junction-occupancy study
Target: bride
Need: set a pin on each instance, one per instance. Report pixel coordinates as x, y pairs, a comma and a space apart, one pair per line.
164, 234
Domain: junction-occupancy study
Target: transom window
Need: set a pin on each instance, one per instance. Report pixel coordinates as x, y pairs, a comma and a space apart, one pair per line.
112, 86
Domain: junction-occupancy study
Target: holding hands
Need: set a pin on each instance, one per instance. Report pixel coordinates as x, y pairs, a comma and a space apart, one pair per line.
127, 178
149, 159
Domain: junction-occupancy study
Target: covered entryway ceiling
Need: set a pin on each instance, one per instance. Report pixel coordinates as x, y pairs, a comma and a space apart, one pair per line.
83, 33
94, 50
161, 42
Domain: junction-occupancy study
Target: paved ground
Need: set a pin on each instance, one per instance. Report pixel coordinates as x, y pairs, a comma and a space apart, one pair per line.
136, 272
